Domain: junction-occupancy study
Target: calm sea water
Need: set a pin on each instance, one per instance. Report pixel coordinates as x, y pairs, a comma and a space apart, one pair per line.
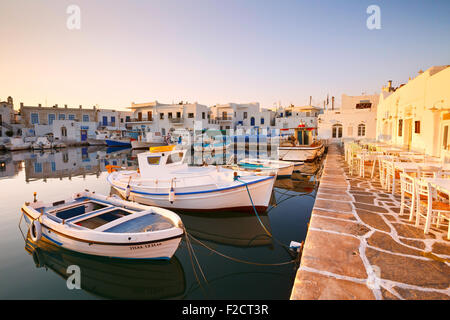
58, 174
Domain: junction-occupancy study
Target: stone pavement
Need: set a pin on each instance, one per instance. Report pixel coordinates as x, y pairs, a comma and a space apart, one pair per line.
359, 247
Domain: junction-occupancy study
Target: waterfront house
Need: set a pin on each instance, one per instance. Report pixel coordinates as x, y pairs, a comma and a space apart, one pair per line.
165, 118
294, 116
354, 120
8, 119
416, 115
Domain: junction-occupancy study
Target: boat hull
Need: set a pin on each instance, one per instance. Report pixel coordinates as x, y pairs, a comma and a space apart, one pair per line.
300, 153
96, 142
233, 198
117, 143
145, 145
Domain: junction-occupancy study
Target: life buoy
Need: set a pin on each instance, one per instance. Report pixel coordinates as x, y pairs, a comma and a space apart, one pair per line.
35, 230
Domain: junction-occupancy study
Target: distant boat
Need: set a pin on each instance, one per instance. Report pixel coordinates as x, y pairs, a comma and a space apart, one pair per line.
165, 180
151, 139
283, 169
99, 140
105, 226
212, 144
301, 147
41, 143
15, 144
115, 140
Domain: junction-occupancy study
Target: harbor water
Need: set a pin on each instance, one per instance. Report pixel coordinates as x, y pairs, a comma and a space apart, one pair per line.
241, 261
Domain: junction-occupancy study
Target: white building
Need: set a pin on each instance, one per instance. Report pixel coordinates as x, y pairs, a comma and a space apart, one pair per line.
109, 119
417, 114
165, 118
68, 131
355, 119
242, 116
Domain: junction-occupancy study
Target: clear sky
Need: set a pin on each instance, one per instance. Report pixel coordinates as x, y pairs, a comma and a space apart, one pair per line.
213, 51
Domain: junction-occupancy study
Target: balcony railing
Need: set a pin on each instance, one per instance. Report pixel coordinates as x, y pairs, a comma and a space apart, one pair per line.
176, 120
224, 118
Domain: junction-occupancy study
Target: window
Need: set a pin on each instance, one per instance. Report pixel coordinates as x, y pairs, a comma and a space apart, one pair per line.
64, 131
153, 160
203, 115
149, 116
361, 130
139, 116
416, 126
113, 120
169, 115
85, 118
337, 131
174, 157
161, 116
34, 118
71, 117
400, 127
190, 115
178, 114
262, 120
245, 115
61, 116
127, 119
51, 117
308, 114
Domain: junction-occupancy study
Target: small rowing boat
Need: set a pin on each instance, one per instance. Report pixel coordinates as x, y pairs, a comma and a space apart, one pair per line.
283, 169
105, 226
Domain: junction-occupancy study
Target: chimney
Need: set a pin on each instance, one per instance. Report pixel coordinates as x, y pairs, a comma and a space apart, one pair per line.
40, 105
390, 85
332, 103
310, 100
80, 106
21, 105
65, 106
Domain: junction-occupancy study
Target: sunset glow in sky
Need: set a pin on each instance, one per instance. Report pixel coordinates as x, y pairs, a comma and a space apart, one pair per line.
213, 51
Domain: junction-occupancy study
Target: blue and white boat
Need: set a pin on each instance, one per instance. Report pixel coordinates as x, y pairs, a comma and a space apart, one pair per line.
165, 180
105, 226
116, 140
283, 169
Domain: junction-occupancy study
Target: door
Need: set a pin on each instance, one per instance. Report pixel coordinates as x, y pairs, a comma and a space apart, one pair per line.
407, 136
83, 135
105, 121
252, 121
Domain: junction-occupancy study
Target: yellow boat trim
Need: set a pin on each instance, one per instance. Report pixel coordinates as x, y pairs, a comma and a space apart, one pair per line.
162, 148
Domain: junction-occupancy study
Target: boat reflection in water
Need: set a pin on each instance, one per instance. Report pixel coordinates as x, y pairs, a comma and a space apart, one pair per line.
113, 278
304, 181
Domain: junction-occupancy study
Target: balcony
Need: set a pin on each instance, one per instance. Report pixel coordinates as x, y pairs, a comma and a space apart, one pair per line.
224, 118
176, 120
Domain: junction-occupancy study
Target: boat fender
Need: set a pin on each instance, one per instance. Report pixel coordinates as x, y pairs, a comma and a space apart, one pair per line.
35, 230
128, 189
171, 193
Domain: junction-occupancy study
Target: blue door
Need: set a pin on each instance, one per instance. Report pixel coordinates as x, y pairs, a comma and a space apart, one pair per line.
83, 135
252, 121
105, 121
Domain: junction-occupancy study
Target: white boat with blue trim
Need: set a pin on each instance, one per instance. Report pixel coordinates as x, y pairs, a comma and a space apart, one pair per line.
283, 169
164, 180
105, 226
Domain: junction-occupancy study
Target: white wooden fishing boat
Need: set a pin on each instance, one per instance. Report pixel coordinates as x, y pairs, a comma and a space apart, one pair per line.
15, 144
151, 139
105, 226
164, 180
100, 137
303, 146
41, 143
283, 169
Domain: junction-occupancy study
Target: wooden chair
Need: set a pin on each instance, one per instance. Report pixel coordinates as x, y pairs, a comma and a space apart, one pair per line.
407, 190
430, 206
